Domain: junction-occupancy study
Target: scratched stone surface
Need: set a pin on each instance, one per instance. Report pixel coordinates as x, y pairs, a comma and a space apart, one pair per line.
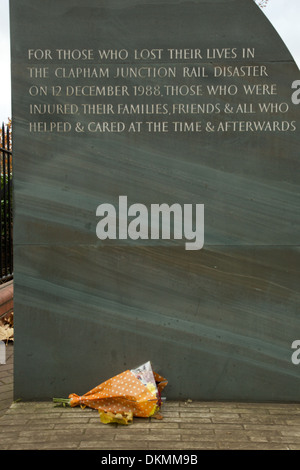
219, 322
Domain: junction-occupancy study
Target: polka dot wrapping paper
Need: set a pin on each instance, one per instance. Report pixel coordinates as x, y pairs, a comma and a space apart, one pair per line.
134, 392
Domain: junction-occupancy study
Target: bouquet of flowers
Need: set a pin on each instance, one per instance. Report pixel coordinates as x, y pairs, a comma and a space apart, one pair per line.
135, 392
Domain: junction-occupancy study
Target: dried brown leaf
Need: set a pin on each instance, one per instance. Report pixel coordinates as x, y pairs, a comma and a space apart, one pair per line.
6, 333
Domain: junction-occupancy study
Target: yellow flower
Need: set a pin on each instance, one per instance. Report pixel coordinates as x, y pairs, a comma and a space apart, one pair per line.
151, 388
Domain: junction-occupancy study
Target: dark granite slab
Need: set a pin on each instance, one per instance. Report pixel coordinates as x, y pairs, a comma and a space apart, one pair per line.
218, 322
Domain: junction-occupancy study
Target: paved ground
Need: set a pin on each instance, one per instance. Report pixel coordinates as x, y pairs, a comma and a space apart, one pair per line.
186, 426
6, 380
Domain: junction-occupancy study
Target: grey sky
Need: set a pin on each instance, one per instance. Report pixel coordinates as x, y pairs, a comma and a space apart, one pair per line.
283, 14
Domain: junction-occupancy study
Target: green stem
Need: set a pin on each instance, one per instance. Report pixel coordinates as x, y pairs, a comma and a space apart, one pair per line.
62, 401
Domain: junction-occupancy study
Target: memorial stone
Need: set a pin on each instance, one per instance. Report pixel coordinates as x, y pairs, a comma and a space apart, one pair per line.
156, 197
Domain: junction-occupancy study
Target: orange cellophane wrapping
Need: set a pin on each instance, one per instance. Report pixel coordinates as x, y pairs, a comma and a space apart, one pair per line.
121, 394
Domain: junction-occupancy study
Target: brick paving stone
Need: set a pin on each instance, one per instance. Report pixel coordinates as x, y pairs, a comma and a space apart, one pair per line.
206, 415
96, 445
257, 420
251, 446
267, 427
166, 445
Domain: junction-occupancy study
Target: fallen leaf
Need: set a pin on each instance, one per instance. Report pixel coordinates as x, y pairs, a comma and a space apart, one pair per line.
6, 333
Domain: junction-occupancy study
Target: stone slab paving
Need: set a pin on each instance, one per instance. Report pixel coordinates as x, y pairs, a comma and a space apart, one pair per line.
185, 425
6, 380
